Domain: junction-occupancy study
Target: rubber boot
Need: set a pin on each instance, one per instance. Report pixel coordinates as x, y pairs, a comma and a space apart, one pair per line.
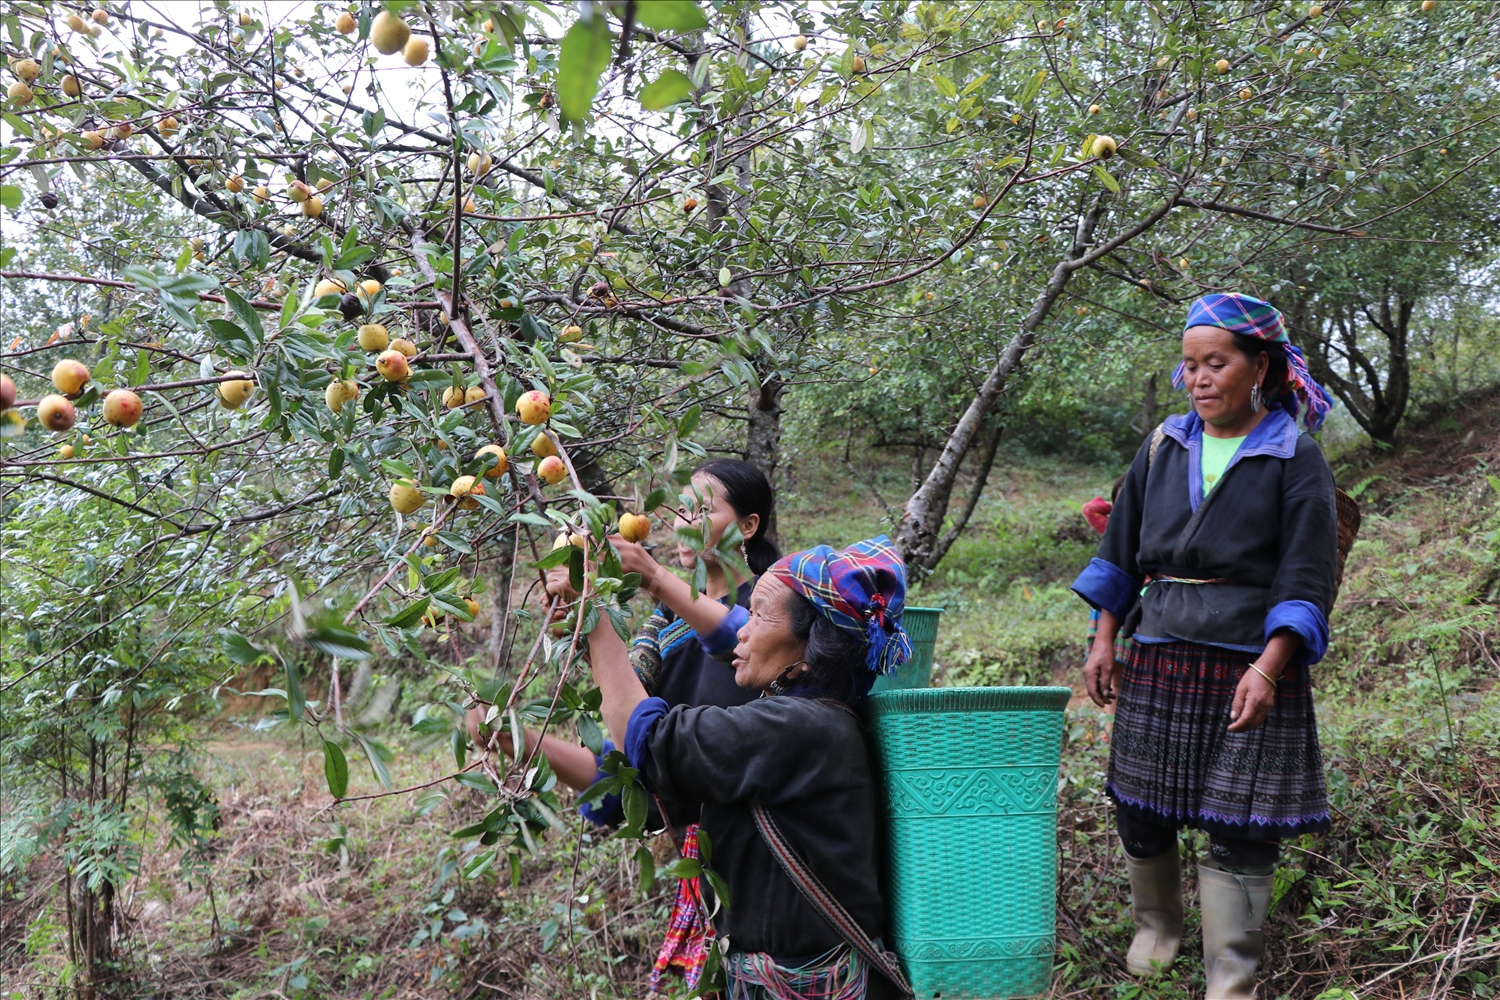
1156, 904
1234, 908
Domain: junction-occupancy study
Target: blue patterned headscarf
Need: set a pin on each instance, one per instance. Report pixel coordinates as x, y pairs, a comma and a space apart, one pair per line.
1252, 317
862, 590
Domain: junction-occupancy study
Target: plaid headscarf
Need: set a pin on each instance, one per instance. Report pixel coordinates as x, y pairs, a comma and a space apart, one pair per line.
862, 590
1254, 318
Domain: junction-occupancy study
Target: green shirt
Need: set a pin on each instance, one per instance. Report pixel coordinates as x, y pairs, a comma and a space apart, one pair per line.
1217, 453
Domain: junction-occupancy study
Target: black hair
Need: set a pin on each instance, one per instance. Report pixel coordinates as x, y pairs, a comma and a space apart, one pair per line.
747, 490
1274, 387
835, 659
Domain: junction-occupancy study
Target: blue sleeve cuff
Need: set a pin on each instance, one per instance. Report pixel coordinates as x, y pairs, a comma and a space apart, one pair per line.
1108, 587
607, 811
724, 638
1307, 621
638, 732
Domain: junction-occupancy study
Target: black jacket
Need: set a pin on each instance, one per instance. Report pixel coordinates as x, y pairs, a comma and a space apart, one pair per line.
805, 761
1269, 528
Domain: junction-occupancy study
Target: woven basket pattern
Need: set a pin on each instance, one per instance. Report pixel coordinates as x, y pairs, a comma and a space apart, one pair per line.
1349, 519
969, 784
921, 626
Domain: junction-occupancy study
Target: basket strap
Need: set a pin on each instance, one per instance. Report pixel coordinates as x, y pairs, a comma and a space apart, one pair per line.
824, 902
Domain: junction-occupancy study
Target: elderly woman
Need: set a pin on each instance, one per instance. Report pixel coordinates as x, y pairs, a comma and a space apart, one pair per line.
1231, 514
681, 654
822, 625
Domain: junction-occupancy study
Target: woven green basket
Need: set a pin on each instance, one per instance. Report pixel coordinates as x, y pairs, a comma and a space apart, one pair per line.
921, 626
969, 782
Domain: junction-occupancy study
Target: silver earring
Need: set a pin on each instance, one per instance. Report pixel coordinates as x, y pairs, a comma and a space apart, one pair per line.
1255, 398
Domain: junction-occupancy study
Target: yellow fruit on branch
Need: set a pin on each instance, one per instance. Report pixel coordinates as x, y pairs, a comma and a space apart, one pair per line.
370, 287
55, 413
373, 338
465, 489
1104, 147
168, 125
328, 286
1094, 109
91, 138
122, 408
551, 470
473, 607
235, 184
405, 346
262, 194
344, 24
101, 16
66, 451
542, 445
858, 66
480, 163
71, 87
26, 70
571, 334
312, 207
233, 393
1222, 66
19, 93
690, 204
339, 392
564, 539
388, 33
298, 191
453, 397
392, 366
405, 497
78, 24
635, 527
799, 43
415, 52
70, 376
534, 407
501, 463
474, 394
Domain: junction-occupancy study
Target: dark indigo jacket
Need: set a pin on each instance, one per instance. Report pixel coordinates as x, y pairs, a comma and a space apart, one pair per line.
1270, 528
805, 761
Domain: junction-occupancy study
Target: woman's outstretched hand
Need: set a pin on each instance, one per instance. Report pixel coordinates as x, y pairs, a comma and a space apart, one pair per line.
635, 559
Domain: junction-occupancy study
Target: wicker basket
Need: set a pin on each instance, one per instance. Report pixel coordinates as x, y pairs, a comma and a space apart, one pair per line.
969, 787
921, 626
1349, 519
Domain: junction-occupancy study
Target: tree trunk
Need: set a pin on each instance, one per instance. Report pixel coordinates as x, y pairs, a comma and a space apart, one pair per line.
917, 536
1147, 419
1374, 386
981, 479
763, 441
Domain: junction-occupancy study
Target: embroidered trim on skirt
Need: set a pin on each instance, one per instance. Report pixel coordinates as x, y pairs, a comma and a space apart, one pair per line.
840, 974
1172, 756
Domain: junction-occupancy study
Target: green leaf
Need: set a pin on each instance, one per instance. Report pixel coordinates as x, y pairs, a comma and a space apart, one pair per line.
672, 87
338, 642
588, 731
585, 53
336, 769
670, 15
432, 725
655, 500
239, 649
10, 196
1135, 159
945, 86
296, 700
248, 317
647, 863
479, 864
409, 616
1106, 179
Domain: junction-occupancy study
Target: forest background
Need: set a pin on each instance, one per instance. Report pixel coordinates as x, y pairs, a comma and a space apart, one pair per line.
923, 263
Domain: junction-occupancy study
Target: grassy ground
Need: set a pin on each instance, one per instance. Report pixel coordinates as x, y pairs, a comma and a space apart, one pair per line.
1401, 900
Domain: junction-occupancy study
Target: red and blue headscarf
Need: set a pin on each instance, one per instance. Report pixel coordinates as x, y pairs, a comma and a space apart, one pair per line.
862, 590
1253, 318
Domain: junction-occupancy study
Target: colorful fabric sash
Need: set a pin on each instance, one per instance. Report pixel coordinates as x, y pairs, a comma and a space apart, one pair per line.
688, 935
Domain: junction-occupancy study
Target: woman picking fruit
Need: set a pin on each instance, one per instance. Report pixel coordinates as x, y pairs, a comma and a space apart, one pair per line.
681, 655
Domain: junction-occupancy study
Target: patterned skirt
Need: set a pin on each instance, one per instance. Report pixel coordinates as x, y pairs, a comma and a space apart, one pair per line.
1172, 758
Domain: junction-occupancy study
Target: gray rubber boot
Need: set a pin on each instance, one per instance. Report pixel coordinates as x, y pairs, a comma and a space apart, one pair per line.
1234, 908
1156, 904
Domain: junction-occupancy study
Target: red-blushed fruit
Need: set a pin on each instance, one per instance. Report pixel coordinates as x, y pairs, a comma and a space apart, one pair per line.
70, 376
466, 488
122, 408
542, 446
55, 413
405, 497
500, 466
392, 366
534, 407
635, 527
7, 392
551, 470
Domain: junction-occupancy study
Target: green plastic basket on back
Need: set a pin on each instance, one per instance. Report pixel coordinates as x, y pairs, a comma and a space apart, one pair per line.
921, 626
969, 783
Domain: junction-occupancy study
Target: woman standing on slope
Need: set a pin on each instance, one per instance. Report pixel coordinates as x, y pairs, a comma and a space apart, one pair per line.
1232, 515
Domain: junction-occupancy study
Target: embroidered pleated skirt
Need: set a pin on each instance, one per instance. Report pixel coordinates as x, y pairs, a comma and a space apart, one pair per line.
1173, 760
